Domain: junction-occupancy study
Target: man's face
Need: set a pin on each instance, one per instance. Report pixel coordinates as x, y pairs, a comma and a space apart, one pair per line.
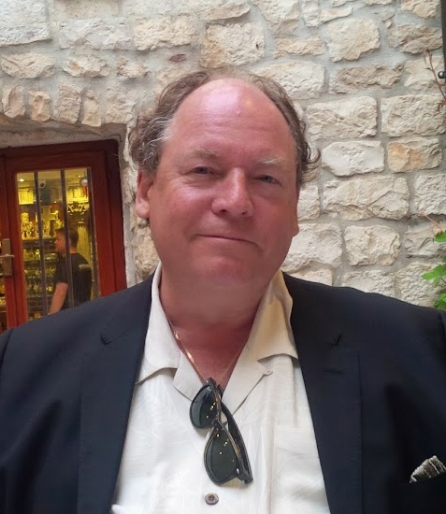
223, 202
59, 244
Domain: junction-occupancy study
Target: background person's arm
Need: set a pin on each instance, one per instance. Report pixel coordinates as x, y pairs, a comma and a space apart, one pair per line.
60, 293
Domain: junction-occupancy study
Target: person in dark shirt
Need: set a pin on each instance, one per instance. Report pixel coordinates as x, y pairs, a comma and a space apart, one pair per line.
70, 293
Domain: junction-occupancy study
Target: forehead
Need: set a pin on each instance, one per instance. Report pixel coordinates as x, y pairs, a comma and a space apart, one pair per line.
233, 96
231, 108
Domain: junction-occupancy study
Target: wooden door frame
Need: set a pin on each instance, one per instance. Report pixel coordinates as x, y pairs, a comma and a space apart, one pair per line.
10, 293
107, 204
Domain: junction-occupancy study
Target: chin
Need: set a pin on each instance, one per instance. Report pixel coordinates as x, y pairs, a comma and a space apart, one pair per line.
231, 275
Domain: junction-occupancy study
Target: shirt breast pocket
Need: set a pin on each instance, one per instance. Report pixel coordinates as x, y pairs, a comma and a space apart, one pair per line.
423, 497
297, 480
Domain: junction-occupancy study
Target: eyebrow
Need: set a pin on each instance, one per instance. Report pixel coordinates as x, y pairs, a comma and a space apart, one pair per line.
272, 162
266, 162
202, 152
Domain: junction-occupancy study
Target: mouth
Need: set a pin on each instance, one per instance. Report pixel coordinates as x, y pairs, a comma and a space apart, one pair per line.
228, 238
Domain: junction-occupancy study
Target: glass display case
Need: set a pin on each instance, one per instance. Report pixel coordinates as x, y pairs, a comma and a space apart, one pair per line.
50, 203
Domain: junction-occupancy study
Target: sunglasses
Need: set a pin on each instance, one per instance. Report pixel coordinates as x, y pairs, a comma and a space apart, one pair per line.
225, 455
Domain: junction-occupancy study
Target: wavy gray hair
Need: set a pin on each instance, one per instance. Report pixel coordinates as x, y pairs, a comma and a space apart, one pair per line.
151, 131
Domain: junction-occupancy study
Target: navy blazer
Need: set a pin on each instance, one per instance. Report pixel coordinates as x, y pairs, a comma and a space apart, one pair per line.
374, 370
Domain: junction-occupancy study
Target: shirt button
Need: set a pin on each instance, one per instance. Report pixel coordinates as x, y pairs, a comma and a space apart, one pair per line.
211, 499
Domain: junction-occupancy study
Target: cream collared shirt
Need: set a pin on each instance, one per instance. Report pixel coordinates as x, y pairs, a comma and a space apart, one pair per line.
162, 469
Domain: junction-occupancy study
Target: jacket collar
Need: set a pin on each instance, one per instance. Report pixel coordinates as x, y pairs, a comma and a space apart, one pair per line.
110, 372
331, 376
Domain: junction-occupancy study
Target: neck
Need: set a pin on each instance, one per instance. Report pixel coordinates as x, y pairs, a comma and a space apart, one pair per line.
202, 306
212, 326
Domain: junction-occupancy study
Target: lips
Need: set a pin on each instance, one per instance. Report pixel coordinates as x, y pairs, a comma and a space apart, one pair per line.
227, 237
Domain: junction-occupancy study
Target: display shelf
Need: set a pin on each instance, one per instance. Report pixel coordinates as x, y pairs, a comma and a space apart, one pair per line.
40, 261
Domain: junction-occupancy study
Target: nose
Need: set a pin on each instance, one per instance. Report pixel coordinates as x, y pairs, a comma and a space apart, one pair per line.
233, 195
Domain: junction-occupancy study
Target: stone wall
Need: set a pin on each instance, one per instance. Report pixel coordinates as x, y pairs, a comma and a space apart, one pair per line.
357, 70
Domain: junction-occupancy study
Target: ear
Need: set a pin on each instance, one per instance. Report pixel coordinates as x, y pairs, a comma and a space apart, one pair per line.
142, 203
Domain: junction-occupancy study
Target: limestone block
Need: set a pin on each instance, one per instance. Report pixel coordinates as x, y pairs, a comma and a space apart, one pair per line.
301, 79
92, 110
128, 184
281, 14
412, 114
419, 242
14, 102
322, 276
377, 2
371, 245
367, 197
333, 14
420, 76
413, 154
350, 80
23, 34
68, 105
145, 257
309, 46
352, 38
97, 34
27, 13
422, 8
83, 9
165, 77
339, 3
130, 69
39, 105
120, 106
430, 194
387, 17
27, 66
413, 288
309, 202
4, 122
310, 12
315, 245
415, 39
371, 281
86, 66
352, 118
212, 10
164, 32
144, 9
232, 45
353, 157
208, 10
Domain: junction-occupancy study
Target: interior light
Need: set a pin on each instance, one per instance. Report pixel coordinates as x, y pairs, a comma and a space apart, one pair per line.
21, 180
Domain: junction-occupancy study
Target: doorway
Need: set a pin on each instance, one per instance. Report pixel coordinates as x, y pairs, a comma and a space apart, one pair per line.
48, 194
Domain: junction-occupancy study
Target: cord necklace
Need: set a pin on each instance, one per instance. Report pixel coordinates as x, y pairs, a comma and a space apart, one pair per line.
191, 359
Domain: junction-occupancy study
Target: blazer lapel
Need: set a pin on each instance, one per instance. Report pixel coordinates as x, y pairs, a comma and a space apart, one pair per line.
331, 376
110, 372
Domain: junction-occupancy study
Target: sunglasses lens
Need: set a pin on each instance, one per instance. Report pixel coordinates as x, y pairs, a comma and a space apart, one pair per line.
204, 408
221, 460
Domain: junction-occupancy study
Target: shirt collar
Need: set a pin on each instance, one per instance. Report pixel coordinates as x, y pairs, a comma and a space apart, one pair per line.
161, 350
270, 335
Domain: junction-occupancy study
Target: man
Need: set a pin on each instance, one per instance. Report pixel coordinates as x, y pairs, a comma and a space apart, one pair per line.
331, 397
72, 279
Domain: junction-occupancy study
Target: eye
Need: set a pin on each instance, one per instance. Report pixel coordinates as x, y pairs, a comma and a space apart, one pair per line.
268, 179
201, 170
